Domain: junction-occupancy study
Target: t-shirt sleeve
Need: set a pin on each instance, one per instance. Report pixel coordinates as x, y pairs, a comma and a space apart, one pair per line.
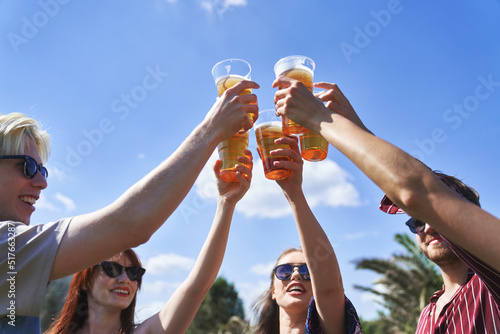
31, 252
352, 319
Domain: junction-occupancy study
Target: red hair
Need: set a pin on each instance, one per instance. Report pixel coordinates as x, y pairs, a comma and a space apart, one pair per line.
74, 313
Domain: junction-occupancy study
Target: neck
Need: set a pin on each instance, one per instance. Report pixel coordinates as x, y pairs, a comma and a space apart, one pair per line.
454, 276
102, 321
292, 323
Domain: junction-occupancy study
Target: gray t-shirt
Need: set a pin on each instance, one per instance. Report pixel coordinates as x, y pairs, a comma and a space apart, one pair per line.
26, 258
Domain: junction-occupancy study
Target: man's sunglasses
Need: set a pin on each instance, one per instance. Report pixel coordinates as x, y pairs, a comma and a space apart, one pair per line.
114, 270
416, 226
285, 271
31, 167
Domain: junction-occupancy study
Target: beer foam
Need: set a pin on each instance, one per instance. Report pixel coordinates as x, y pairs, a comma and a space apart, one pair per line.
293, 62
228, 76
273, 124
227, 81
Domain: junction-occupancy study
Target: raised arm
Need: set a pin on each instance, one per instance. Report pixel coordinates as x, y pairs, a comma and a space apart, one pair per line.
326, 278
181, 308
405, 180
141, 210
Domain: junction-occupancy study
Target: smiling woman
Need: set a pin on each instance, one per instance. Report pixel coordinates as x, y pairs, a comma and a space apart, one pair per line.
102, 296
306, 293
291, 294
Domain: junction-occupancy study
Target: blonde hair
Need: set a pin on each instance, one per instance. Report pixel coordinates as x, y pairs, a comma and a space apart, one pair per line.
16, 129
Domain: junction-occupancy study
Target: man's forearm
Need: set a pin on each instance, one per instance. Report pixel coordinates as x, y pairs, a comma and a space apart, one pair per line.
138, 213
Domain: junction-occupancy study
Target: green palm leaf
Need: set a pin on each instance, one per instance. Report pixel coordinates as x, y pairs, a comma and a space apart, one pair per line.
405, 284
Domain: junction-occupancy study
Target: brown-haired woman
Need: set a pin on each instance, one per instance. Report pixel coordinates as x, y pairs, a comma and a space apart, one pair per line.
306, 294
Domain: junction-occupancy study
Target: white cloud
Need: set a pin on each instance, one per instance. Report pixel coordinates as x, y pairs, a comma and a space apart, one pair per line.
205, 183
168, 264
249, 292
262, 268
160, 288
47, 204
43, 203
360, 235
369, 297
143, 312
68, 203
220, 7
57, 173
152, 297
325, 183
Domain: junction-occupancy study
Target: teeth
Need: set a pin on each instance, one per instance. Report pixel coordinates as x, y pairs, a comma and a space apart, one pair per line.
120, 291
28, 199
295, 288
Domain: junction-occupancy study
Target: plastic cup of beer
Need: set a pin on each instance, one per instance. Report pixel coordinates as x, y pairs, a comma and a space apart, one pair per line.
229, 151
228, 73
313, 146
267, 129
300, 68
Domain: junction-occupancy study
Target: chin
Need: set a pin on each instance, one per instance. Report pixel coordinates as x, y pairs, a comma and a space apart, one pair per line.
122, 306
301, 300
442, 255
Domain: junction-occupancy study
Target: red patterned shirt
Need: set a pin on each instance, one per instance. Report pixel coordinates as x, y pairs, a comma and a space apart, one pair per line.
474, 308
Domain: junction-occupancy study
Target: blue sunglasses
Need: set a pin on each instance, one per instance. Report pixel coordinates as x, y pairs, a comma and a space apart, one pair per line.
285, 271
416, 226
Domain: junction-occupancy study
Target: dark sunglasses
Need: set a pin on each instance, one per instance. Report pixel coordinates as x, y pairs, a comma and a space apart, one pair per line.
285, 271
31, 167
114, 270
416, 226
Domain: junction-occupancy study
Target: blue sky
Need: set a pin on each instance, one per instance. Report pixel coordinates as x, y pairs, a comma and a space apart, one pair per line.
120, 84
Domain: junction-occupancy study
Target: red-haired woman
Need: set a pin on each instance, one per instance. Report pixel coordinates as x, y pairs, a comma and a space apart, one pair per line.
101, 299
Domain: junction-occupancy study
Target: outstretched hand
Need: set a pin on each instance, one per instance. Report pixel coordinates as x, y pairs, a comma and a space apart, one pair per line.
294, 181
228, 115
234, 191
295, 101
336, 101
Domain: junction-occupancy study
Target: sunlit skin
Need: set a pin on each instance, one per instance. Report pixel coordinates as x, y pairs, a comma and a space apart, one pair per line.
293, 295
411, 185
435, 248
18, 194
453, 270
109, 296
